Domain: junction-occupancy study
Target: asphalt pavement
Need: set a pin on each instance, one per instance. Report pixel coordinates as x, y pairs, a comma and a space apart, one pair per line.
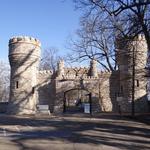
68, 132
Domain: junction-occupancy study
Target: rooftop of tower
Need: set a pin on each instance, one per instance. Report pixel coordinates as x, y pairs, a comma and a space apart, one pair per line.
25, 39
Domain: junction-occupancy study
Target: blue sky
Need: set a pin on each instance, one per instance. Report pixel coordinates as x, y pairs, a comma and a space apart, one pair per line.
51, 21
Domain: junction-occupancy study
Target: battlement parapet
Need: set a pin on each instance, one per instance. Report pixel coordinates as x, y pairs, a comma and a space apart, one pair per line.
84, 76
140, 37
74, 77
45, 72
71, 77
105, 72
25, 39
77, 68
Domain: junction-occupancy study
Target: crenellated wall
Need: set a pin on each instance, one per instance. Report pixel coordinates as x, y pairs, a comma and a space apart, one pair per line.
103, 88
111, 91
46, 88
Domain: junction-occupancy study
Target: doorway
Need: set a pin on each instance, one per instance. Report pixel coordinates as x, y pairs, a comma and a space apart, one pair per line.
75, 100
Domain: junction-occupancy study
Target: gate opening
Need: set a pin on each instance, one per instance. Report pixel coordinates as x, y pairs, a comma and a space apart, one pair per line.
76, 101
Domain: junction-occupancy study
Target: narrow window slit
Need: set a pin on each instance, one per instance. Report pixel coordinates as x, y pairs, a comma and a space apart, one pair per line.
137, 83
33, 90
17, 84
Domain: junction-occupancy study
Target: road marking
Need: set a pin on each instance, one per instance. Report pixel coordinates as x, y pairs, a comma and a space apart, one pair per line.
4, 132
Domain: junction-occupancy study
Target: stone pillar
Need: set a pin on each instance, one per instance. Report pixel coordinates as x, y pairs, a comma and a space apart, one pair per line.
24, 56
60, 67
93, 68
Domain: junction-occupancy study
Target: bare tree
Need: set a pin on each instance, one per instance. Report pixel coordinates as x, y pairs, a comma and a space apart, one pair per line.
133, 15
49, 59
94, 42
122, 19
105, 20
4, 81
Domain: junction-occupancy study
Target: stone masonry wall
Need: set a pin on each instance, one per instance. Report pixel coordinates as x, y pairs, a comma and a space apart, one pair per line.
24, 54
111, 91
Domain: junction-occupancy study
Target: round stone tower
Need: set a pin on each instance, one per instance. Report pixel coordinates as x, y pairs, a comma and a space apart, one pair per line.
131, 59
24, 55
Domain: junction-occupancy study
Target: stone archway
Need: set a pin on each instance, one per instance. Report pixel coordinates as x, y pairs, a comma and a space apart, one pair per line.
74, 100
64, 86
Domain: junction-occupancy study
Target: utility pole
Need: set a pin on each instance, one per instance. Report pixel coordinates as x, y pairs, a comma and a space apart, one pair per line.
133, 81
90, 101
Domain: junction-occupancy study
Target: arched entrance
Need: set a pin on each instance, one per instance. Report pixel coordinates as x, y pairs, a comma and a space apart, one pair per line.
76, 99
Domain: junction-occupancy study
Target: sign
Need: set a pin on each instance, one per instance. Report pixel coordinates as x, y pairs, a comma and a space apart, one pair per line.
87, 108
148, 97
43, 107
119, 99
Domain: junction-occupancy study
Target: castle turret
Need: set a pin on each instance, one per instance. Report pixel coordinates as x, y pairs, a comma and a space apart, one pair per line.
131, 59
60, 68
24, 55
93, 68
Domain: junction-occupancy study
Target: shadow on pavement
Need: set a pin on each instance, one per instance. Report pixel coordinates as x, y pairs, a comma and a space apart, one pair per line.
113, 131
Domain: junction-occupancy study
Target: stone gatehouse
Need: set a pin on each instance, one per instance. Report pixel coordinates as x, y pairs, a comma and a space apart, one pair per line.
109, 91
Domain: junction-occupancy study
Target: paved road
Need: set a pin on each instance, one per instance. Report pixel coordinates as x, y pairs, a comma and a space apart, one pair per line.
73, 133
